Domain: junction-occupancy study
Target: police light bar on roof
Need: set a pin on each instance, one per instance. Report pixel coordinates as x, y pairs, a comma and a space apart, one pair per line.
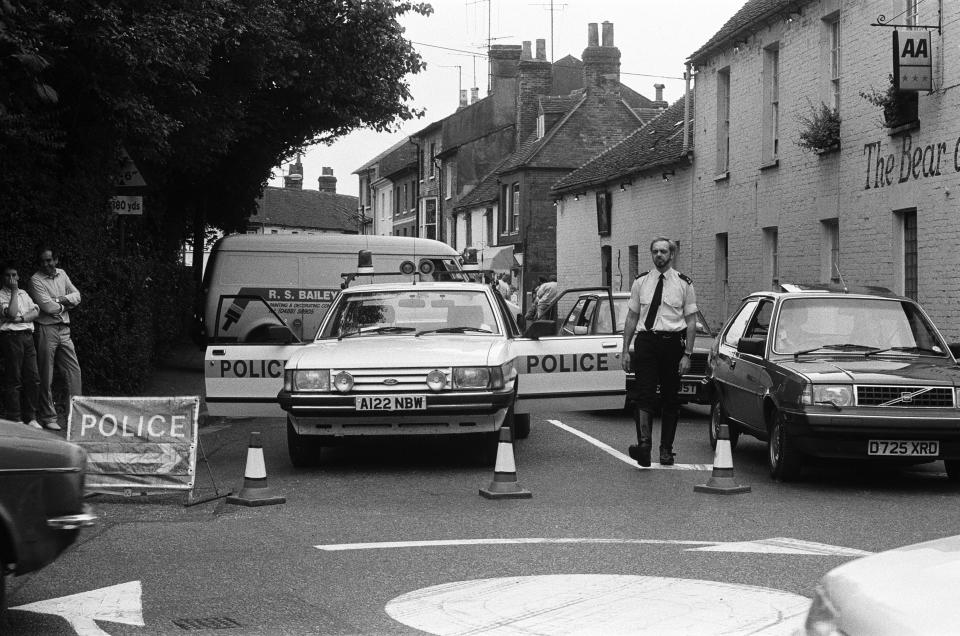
364, 262
470, 259
794, 288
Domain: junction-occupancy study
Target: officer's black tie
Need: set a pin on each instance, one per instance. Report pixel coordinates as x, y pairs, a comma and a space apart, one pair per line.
654, 305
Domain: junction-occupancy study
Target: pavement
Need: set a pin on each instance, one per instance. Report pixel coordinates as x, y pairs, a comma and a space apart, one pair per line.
179, 372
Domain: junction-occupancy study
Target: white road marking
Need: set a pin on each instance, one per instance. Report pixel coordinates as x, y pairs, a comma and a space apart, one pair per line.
338, 547
626, 458
778, 545
598, 604
116, 604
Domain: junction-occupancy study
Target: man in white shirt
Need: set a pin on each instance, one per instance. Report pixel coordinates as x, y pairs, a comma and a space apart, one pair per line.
21, 382
56, 295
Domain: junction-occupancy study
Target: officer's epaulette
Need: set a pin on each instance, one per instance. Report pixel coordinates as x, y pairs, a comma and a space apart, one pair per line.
685, 278
639, 276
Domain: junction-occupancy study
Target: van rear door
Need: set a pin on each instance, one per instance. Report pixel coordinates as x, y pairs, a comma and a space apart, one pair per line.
242, 379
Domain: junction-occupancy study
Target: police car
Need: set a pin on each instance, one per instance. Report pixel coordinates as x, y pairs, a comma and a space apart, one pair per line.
409, 357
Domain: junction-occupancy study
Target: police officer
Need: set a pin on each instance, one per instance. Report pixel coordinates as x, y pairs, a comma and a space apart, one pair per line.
663, 313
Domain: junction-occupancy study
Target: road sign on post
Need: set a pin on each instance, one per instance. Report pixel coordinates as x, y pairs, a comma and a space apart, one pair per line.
129, 205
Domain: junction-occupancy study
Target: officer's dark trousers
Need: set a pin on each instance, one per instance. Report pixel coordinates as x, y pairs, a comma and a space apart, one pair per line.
656, 361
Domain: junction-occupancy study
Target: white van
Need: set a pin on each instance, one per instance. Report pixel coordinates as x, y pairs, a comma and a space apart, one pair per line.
257, 281
254, 281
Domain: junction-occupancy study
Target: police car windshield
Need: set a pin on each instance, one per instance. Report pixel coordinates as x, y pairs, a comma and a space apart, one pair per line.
411, 311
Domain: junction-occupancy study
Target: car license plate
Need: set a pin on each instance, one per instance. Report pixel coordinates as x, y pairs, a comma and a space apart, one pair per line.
391, 402
688, 389
903, 448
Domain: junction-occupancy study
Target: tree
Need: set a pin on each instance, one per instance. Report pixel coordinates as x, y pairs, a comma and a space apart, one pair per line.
206, 95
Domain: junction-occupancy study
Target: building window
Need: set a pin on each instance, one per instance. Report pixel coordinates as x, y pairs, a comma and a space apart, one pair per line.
504, 210
604, 206
428, 229
606, 266
911, 13
489, 220
433, 155
771, 104
771, 255
831, 251
723, 121
721, 259
515, 210
273, 231
633, 258
541, 125
422, 163
908, 229
448, 187
468, 229
835, 61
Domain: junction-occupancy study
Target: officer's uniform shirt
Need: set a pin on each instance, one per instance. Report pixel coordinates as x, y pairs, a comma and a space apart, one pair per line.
678, 300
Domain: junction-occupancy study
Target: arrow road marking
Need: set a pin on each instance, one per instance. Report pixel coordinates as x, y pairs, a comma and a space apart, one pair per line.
780, 545
626, 458
116, 604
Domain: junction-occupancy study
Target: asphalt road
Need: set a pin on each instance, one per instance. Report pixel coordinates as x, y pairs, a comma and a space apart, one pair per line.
396, 540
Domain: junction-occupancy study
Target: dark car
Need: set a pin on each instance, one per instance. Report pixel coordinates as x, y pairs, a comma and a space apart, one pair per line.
41, 499
827, 372
591, 315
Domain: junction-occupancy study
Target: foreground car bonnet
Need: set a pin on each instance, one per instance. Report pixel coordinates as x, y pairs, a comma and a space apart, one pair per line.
22, 447
430, 350
910, 590
842, 369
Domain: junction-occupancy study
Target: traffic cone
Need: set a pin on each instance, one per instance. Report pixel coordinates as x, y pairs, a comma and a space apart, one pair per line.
255, 491
504, 484
721, 482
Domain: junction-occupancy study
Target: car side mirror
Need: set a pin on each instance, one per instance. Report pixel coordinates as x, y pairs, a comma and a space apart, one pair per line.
955, 349
540, 328
279, 334
580, 330
752, 346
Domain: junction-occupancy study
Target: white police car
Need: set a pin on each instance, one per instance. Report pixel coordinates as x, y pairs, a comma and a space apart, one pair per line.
419, 358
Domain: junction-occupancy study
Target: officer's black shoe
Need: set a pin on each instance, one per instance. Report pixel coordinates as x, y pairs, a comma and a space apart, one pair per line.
666, 457
640, 454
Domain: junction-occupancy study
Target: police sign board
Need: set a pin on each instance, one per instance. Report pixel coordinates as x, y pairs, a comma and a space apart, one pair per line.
136, 442
912, 61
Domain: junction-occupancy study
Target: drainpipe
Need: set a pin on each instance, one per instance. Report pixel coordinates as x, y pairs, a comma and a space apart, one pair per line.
686, 111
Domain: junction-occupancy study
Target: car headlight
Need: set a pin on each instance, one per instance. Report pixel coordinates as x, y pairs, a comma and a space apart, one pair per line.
310, 380
343, 382
479, 377
822, 617
437, 380
835, 394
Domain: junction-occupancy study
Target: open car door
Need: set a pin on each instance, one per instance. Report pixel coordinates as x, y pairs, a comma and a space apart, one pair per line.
563, 367
242, 379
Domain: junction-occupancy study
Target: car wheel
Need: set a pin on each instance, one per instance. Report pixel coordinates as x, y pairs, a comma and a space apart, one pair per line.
521, 426
784, 459
718, 416
302, 450
953, 469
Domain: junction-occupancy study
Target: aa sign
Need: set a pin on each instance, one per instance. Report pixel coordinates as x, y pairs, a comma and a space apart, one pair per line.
912, 61
136, 442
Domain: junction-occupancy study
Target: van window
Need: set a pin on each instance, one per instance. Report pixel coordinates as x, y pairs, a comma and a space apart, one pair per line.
247, 269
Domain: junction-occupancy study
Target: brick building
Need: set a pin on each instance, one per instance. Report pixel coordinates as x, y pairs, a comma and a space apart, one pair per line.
293, 210
755, 207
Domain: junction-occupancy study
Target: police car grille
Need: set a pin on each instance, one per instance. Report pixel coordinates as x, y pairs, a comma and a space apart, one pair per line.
412, 380
873, 395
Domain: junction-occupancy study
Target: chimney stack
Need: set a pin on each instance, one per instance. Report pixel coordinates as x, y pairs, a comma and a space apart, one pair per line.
503, 59
463, 98
535, 79
474, 94
327, 182
294, 177
659, 103
601, 63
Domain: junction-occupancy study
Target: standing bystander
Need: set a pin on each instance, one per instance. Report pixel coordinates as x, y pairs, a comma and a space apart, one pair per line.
546, 294
21, 383
52, 290
666, 302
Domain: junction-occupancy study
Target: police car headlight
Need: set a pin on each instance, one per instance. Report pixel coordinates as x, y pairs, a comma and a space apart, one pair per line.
311, 380
473, 377
437, 380
822, 617
836, 394
343, 382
